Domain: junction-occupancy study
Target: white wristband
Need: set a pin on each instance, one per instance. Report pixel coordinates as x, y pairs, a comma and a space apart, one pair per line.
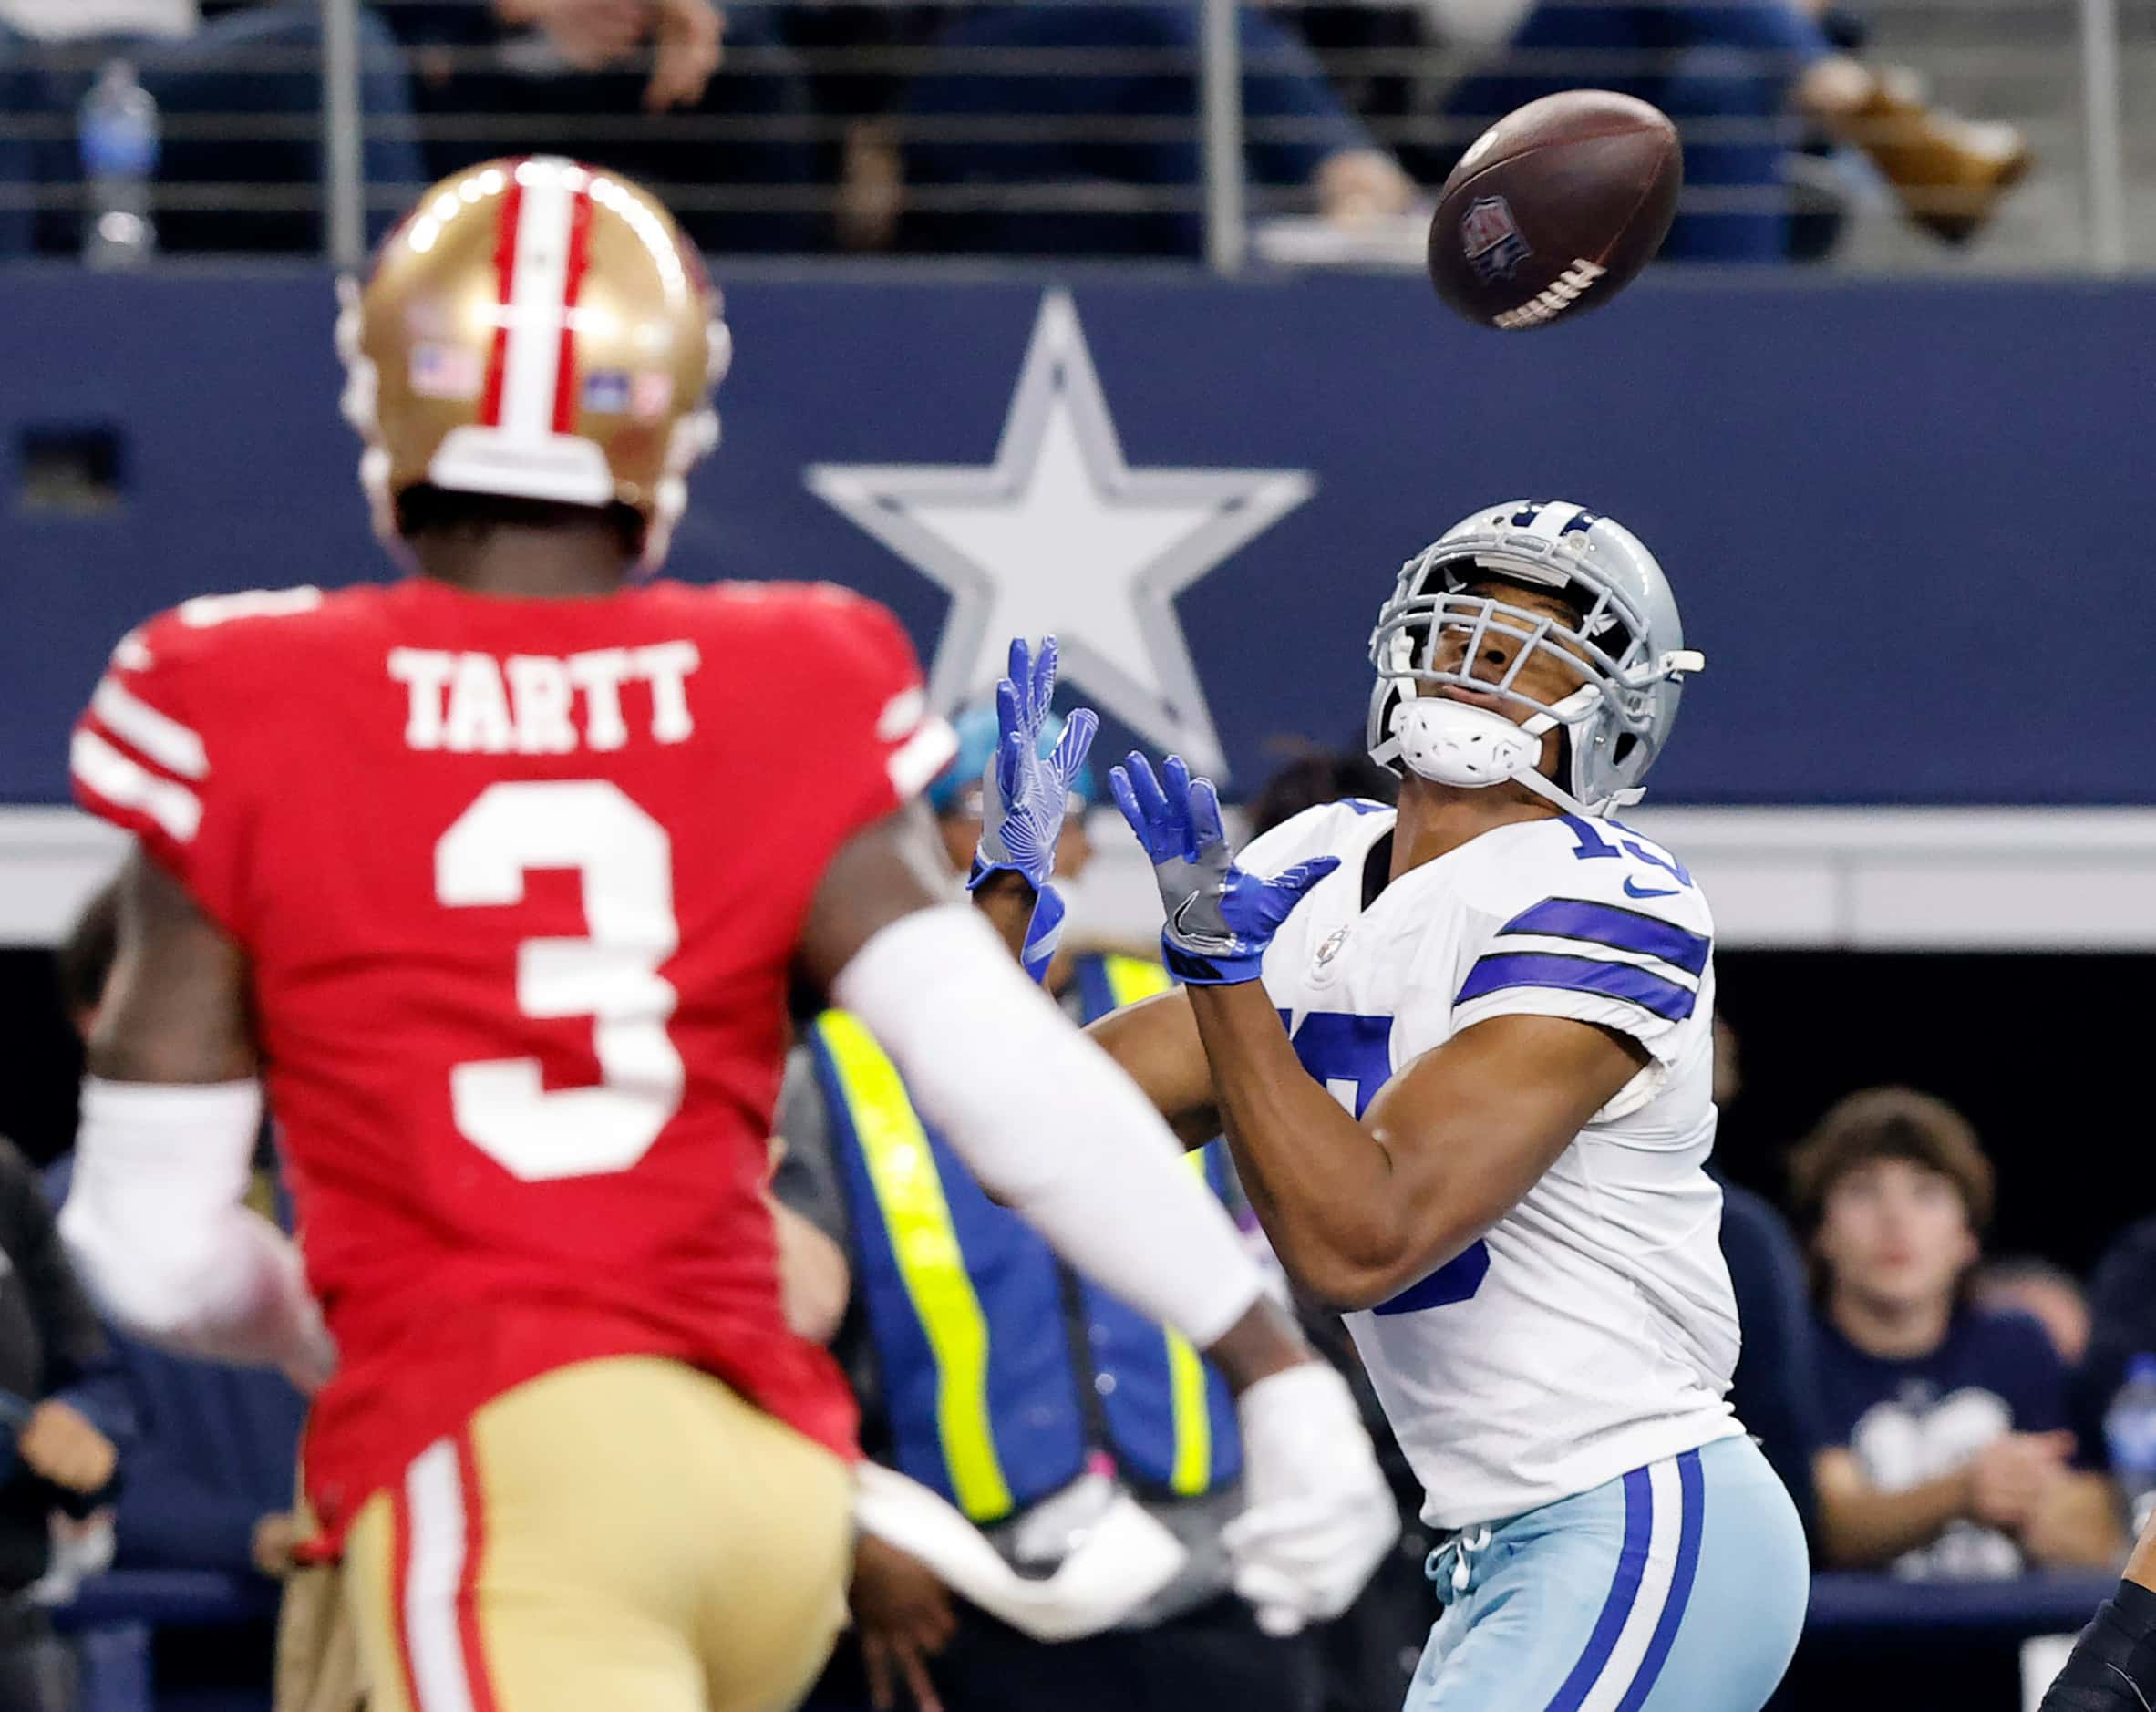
155, 1223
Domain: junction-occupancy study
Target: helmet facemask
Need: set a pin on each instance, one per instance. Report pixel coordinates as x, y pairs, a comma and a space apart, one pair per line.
1430, 638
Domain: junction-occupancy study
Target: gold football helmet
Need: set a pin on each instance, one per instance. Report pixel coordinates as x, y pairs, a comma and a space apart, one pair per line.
537, 329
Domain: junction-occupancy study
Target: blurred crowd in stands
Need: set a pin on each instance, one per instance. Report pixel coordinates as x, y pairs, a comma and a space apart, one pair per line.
1019, 128
1939, 1414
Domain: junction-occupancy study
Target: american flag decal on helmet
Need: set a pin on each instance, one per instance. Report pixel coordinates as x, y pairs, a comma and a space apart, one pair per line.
1489, 238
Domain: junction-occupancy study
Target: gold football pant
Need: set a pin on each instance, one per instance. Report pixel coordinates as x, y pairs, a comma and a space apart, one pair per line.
626, 1533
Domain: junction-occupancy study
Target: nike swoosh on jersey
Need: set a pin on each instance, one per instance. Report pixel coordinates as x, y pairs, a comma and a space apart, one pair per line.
1633, 889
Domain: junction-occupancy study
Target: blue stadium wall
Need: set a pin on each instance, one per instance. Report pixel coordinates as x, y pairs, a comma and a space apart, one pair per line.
1913, 528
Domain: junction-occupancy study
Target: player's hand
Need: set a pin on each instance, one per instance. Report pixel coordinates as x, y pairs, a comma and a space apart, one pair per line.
904, 1618
59, 1442
1022, 796
276, 1538
1221, 918
2013, 1474
687, 39
1318, 1517
313, 1362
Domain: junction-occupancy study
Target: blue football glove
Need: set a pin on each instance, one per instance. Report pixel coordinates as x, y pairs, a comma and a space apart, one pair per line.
1022, 796
1044, 934
1220, 917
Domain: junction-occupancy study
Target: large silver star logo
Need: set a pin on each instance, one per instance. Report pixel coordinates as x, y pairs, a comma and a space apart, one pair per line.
1060, 537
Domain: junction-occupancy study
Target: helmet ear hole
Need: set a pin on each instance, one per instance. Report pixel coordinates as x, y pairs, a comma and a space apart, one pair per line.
1624, 747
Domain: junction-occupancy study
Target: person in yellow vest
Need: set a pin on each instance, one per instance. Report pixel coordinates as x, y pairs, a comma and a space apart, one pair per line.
1014, 1387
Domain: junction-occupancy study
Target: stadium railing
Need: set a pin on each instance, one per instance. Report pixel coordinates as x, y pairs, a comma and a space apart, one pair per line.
2071, 78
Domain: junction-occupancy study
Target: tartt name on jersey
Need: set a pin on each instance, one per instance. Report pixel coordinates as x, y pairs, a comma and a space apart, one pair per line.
537, 703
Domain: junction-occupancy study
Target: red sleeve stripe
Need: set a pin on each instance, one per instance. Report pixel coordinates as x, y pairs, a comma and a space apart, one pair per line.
105, 772
159, 737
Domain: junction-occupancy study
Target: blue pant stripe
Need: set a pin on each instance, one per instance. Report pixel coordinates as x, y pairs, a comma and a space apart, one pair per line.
1632, 1563
1680, 1584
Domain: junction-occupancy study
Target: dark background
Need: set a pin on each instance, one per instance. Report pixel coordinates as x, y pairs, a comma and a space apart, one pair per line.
2040, 1051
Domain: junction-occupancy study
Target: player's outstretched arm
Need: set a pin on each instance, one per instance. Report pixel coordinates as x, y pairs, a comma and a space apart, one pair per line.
1157, 1044
1359, 1210
1050, 1127
1356, 1209
1038, 1113
1025, 796
170, 1110
2113, 1666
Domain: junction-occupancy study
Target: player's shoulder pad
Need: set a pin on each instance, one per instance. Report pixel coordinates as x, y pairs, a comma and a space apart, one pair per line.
213, 627
819, 627
812, 604
1330, 829
827, 647
150, 752
1604, 864
216, 653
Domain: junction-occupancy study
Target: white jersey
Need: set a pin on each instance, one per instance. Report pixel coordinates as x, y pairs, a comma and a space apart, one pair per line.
1593, 1329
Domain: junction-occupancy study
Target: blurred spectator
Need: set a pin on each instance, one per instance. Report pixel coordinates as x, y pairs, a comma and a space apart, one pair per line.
1102, 102
2049, 1294
1313, 775
240, 96
67, 1422
1082, 1394
1772, 1391
707, 108
1949, 1419
2123, 1326
1731, 72
211, 1483
1085, 1391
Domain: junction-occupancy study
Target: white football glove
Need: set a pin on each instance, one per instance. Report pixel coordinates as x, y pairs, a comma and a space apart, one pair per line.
1317, 1516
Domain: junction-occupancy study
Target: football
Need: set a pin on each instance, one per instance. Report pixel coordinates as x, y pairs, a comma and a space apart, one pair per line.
1555, 208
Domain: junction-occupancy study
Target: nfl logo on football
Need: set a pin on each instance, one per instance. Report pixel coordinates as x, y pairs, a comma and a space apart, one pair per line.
1491, 239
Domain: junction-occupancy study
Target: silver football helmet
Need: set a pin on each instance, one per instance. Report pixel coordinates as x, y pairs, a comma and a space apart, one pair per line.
1628, 645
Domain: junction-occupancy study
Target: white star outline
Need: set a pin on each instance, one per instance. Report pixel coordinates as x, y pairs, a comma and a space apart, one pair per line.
1060, 537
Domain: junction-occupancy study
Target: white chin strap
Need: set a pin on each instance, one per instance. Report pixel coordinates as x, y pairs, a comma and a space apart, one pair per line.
1450, 742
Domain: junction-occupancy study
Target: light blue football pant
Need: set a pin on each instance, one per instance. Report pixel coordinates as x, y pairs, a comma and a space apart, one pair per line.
1679, 1587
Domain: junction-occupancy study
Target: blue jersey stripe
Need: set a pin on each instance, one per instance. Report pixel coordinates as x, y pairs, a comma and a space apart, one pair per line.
1625, 930
1693, 1486
1631, 1563
1624, 981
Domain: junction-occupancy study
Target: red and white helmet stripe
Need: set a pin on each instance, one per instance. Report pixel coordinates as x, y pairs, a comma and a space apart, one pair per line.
539, 261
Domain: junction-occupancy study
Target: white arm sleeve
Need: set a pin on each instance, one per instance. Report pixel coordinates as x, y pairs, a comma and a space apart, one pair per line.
1046, 1120
155, 1225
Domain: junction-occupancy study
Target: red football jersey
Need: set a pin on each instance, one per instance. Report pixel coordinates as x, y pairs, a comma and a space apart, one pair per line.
520, 882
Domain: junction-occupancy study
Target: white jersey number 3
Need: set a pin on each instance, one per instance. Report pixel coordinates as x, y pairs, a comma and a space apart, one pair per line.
626, 862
